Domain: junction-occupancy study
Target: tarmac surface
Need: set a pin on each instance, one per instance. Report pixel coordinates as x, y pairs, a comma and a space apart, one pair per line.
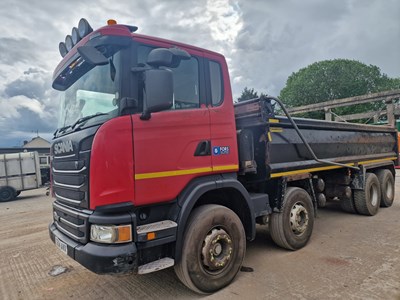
348, 257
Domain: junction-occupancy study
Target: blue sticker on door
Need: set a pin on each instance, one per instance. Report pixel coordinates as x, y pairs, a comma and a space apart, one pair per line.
220, 150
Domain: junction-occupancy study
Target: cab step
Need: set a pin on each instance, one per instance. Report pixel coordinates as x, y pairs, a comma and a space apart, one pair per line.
157, 226
157, 265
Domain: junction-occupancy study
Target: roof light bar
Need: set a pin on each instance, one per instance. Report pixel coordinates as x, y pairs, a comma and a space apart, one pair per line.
77, 34
80, 32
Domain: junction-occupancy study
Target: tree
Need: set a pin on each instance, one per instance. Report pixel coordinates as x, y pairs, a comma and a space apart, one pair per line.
336, 79
248, 94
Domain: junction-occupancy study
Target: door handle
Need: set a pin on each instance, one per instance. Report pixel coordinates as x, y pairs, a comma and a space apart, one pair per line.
203, 148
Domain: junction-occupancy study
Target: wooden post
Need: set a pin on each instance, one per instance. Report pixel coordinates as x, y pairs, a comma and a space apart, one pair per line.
390, 112
328, 114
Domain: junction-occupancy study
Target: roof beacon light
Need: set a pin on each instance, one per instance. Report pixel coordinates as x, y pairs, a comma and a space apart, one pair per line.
75, 36
84, 28
111, 22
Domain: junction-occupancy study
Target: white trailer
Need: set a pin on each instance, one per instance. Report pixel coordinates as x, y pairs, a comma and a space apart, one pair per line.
18, 172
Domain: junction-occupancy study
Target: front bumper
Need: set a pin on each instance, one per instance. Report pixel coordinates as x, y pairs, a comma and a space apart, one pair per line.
100, 259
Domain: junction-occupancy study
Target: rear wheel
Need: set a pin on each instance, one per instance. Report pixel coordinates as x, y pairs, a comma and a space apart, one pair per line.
368, 200
7, 194
386, 181
348, 205
292, 228
213, 249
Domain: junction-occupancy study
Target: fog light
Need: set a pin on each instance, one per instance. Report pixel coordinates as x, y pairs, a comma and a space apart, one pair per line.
111, 233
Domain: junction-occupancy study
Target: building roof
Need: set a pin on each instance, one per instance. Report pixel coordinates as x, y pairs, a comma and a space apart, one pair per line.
37, 142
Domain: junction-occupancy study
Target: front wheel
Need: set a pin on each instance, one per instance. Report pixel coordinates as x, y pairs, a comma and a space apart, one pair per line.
292, 228
213, 249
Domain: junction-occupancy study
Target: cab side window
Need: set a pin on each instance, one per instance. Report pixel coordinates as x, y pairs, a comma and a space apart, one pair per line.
186, 80
216, 83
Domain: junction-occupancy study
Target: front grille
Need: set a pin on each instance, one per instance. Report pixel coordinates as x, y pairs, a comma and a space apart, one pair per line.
70, 182
72, 222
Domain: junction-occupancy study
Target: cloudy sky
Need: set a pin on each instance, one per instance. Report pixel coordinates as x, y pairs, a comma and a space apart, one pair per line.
264, 41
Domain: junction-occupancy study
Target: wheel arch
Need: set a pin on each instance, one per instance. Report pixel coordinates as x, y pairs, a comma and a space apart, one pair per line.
224, 190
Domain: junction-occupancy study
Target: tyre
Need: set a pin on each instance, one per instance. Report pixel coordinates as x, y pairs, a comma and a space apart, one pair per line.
386, 181
367, 202
292, 228
7, 194
348, 205
213, 249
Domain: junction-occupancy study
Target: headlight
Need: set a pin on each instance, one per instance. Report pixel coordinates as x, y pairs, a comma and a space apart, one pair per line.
111, 233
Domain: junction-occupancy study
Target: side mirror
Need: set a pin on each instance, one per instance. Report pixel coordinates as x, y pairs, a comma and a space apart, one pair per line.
92, 55
162, 57
158, 90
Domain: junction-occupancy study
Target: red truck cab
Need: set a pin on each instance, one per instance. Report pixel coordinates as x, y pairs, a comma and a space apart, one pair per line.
128, 164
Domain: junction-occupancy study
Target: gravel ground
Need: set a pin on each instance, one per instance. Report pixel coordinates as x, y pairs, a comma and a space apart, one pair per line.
348, 257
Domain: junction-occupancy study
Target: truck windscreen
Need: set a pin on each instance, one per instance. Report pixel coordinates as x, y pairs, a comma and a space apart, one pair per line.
94, 93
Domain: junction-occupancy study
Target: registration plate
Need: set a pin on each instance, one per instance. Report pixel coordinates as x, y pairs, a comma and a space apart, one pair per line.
61, 245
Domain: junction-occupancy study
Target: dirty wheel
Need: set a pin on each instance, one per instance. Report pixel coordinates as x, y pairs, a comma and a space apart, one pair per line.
386, 181
291, 229
213, 249
7, 194
348, 205
367, 201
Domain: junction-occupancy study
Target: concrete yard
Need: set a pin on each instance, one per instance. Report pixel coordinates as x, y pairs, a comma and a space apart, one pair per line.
348, 257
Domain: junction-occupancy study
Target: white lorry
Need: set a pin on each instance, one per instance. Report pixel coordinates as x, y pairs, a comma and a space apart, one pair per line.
18, 172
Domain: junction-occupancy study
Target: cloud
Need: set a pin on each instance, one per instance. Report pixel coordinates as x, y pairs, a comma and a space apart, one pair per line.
280, 37
19, 115
15, 50
27, 105
264, 41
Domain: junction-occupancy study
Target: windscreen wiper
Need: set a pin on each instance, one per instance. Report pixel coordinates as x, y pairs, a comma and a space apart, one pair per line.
84, 119
61, 130
77, 122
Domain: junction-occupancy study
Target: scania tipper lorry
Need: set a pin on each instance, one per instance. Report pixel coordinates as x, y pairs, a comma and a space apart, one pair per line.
154, 166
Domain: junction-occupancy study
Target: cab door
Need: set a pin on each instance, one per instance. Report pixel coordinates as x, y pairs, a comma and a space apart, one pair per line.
173, 146
222, 116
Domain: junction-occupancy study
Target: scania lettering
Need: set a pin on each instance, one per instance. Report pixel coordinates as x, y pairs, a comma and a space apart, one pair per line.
63, 147
154, 166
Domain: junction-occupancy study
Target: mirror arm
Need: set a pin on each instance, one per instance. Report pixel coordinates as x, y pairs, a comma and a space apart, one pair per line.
145, 116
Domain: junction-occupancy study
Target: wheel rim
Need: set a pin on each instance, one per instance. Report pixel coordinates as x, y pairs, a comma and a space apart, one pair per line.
389, 190
373, 192
298, 218
216, 251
